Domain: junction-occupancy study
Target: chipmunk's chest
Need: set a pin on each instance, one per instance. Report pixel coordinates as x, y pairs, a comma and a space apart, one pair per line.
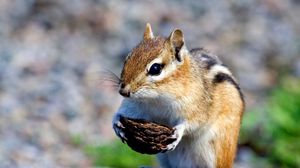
160, 111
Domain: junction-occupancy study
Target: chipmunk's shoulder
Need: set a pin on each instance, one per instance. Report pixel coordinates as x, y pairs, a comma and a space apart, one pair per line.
204, 58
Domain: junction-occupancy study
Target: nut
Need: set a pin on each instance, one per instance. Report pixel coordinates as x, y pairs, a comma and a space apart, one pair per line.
146, 137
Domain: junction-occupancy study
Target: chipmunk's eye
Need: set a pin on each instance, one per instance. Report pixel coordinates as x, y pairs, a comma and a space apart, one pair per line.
155, 69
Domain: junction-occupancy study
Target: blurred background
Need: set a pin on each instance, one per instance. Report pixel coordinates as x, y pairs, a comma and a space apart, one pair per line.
56, 112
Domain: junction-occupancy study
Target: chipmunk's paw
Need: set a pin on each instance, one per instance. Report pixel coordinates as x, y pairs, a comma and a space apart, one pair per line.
178, 134
118, 127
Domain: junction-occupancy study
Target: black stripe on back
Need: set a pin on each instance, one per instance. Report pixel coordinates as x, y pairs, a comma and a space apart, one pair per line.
223, 77
205, 58
209, 61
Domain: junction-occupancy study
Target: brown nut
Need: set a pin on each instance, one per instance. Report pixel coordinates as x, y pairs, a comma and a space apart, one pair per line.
146, 137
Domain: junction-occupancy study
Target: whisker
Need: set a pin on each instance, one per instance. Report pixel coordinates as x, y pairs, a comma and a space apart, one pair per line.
110, 74
108, 80
104, 79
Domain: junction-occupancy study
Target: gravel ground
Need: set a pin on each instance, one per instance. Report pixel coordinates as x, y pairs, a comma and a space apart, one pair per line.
53, 54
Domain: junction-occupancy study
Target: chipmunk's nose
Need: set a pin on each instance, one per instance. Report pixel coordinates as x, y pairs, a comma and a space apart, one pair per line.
124, 92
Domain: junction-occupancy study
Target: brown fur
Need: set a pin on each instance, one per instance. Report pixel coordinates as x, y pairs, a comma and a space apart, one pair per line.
140, 56
229, 107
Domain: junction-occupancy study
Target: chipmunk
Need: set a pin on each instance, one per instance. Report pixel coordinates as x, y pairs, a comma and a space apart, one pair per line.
191, 91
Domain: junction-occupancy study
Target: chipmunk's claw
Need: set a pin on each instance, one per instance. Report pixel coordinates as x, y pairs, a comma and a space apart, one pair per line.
118, 128
178, 134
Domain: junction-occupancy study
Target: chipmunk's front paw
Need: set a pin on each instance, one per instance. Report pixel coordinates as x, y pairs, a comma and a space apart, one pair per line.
118, 127
178, 134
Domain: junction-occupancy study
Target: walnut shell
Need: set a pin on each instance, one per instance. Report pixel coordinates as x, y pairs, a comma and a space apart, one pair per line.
146, 137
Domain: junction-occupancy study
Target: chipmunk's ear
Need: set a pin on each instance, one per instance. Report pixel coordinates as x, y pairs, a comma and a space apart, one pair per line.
176, 40
148, 32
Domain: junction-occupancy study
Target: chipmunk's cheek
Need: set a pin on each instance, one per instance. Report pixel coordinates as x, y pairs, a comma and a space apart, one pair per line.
145, 93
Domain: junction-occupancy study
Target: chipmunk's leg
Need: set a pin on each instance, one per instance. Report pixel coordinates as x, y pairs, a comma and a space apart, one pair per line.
178, 134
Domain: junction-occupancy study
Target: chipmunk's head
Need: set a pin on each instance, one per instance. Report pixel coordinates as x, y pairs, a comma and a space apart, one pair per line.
156, 67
